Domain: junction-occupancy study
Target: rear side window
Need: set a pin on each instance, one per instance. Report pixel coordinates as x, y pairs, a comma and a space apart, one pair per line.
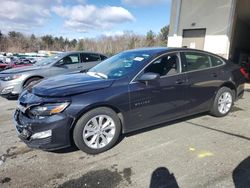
196, 61
216, 61
90, 57
103, 57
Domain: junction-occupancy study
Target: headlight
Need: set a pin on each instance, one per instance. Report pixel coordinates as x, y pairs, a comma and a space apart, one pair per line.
49, 109
11, 77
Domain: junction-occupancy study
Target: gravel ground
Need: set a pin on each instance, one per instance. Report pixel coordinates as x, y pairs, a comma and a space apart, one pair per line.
198, 151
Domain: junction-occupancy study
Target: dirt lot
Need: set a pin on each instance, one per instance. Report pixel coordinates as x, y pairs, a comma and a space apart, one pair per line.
199, 151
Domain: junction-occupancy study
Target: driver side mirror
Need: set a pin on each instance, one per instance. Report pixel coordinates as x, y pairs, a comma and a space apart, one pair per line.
149, 76
60, 63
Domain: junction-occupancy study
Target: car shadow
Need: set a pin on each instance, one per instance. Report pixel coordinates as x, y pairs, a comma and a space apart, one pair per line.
147, 129
12, 98
69, 149
162, 178
73, 148
241, 174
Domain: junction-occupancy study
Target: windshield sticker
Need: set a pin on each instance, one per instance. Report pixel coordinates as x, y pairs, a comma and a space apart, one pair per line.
138, 59
145, 55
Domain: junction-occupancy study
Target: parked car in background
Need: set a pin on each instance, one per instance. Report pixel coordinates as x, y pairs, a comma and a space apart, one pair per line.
22, 62
3, 65
129, 91
13, 81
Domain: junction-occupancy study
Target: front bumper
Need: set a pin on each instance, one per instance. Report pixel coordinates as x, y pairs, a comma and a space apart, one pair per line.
59, 125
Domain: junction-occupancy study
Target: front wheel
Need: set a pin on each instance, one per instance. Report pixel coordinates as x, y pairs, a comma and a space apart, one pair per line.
223, 102
97, 131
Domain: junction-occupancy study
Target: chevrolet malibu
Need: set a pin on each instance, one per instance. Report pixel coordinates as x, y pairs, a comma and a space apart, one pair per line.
129, 91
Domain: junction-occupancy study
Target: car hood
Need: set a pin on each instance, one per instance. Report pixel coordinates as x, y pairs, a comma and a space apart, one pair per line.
70, 84
21, 69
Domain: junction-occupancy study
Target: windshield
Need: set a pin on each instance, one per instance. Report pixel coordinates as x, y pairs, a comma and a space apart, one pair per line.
119, 65
48, 60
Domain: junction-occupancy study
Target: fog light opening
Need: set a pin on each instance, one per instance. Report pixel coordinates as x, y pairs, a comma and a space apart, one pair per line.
41, 135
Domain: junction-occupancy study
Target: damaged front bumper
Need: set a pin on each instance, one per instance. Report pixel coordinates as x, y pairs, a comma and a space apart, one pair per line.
49, 133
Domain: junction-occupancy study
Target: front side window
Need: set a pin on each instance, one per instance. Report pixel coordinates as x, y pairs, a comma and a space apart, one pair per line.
167, 65
70, 59
196, 61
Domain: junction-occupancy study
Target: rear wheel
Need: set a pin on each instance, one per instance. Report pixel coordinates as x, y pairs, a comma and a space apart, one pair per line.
223, 102
97, 130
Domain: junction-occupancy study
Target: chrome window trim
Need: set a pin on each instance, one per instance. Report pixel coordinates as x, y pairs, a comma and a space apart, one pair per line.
212, 67
180, 63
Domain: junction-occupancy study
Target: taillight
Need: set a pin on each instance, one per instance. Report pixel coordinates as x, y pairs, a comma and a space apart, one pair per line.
244, 72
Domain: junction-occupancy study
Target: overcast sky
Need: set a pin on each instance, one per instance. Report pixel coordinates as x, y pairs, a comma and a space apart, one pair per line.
83, 18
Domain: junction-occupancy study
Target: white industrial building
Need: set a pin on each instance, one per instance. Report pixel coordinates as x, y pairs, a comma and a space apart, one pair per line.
218, 26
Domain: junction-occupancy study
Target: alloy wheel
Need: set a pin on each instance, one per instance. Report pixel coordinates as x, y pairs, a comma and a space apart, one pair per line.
225, 102
99, 131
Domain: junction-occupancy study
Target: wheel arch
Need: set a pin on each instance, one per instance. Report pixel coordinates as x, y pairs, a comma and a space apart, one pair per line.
92, 107
31, 77
231, 86
227, 84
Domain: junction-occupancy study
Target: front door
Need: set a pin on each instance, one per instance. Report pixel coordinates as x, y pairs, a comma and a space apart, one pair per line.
159, 100
69, 63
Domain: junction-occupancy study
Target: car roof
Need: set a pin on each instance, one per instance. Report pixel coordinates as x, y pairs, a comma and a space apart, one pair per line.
161, 50
73, 52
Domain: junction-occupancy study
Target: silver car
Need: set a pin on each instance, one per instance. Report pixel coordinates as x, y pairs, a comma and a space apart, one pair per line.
13, 81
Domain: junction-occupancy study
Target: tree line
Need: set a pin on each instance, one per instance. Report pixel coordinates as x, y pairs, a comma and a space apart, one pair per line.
17, 42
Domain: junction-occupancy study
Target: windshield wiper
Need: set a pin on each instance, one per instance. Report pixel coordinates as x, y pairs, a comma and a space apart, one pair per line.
101, 75
98, 74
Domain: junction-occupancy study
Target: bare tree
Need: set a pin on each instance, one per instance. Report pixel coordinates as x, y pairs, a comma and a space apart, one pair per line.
110, 45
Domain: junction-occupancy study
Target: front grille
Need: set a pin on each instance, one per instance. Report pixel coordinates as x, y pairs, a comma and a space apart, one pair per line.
22, 127
21, 119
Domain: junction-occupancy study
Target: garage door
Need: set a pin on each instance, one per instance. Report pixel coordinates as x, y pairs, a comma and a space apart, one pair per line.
194, 38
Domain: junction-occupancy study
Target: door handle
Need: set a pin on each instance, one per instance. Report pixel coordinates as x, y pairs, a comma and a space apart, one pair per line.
179, 81
214, 74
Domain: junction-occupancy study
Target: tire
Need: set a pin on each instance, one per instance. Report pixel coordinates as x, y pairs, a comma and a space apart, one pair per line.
92, 138
226, 97
31, 80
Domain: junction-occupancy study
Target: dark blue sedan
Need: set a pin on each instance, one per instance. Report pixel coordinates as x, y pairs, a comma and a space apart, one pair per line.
129, 91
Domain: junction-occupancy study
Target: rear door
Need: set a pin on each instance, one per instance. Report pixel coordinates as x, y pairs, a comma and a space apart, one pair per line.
203, 79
